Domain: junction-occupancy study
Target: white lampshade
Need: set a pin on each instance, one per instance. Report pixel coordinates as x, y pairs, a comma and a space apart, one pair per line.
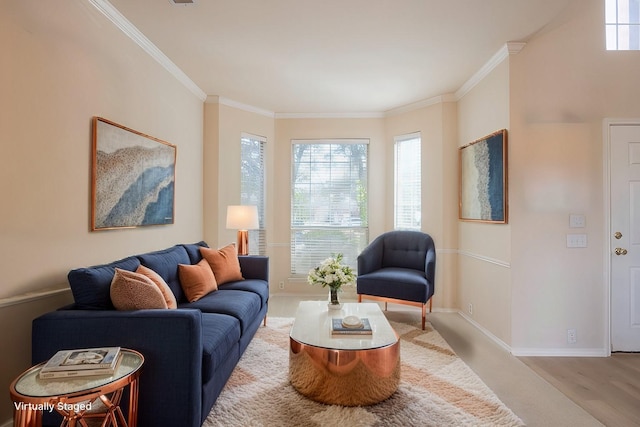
242, 217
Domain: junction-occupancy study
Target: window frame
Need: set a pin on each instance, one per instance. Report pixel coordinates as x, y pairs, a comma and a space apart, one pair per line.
353, 229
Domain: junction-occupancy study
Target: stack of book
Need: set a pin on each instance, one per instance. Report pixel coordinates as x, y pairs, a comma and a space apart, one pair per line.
82, 363
351, 325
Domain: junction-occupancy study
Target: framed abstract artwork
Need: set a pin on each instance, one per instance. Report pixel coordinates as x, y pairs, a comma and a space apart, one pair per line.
133, 178
483, 179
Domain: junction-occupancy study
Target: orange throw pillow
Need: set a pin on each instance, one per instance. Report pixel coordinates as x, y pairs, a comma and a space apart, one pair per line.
197, 280
224, 263
161, 284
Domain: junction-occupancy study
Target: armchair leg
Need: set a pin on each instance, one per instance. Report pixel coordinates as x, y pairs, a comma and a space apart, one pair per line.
424, 314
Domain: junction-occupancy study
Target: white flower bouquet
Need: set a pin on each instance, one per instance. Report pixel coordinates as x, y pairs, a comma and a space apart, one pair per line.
332, 273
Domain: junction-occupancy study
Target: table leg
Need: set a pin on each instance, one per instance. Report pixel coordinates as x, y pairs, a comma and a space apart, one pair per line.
133, 403
27, 417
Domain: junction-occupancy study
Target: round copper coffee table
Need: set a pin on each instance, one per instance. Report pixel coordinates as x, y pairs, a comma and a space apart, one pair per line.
347, 370
77, 399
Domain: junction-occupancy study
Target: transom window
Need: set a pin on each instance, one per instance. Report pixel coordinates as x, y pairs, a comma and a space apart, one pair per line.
328, 202
622, 24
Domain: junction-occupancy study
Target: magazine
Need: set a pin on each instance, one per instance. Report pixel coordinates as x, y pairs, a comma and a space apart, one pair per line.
84, 358
339, 327
65, 374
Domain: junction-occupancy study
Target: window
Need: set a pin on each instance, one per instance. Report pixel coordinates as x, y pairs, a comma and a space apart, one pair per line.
408, 182
622, 24
328, 202
252, 188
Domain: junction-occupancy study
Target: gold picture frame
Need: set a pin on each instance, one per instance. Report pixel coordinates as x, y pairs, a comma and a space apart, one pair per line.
132, 178
483, 193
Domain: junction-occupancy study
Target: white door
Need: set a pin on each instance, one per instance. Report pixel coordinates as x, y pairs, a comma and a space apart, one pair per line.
625, 237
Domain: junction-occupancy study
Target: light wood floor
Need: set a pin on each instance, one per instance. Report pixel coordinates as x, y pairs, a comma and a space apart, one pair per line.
608, 388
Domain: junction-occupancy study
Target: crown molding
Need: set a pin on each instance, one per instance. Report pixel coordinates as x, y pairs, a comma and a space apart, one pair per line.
510, 48
215, 99
420, 104
109, 11
354, 115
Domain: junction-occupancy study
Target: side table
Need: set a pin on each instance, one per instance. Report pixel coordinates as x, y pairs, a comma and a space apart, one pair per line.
78, 398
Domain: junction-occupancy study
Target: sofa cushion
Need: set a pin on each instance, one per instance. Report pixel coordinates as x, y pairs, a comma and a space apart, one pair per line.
91, 286
220, 334
197, 280
193, 250
166, 292
165, 263
224, 263
256, 286
401, 283
242, 305
135, 291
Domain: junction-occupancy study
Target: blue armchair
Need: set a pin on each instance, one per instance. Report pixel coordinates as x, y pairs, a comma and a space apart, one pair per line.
398, 267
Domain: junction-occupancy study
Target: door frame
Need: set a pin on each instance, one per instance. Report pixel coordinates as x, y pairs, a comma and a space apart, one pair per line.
606, 171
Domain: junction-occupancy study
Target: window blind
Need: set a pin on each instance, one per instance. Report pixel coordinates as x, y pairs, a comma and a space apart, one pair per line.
328, 202
252, 188
408, 182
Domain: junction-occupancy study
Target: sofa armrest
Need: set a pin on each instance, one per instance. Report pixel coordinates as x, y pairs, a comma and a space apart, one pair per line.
169, 340
254, 267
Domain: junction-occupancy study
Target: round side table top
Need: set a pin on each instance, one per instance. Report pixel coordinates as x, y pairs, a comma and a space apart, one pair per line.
29, 384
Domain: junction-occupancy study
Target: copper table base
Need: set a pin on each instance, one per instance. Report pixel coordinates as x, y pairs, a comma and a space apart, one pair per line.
344, 377
75, 402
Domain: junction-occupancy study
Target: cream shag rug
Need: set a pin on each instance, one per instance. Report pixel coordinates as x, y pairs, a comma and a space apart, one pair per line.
436, 389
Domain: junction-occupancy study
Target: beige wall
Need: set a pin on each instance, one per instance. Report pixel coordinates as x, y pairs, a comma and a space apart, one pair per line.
63, 63
563, 84
437, 126
224, 126
484, 276
287, 130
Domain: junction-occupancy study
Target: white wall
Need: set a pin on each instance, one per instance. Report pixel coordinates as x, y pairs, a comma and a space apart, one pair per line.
62, 64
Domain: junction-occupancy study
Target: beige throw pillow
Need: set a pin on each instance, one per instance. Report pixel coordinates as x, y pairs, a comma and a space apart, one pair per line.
134, 291
168, 295
197, 280
224, 263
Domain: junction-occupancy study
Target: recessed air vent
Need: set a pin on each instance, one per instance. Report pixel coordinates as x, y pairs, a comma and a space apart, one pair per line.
182, 2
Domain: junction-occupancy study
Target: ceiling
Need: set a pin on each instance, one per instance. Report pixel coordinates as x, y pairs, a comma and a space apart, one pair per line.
335, 56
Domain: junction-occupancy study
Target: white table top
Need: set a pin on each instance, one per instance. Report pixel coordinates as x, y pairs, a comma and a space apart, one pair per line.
312, 326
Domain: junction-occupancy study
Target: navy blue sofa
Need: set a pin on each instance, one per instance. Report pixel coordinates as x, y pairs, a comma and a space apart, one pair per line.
190, 352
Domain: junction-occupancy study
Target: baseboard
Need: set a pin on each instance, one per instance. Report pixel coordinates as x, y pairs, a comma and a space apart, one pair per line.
538, 352
559, 352
485, 331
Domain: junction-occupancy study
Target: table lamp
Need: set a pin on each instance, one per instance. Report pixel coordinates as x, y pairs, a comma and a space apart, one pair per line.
243, 218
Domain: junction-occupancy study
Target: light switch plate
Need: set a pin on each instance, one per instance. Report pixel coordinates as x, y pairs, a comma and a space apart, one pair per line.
577, 221
576, 240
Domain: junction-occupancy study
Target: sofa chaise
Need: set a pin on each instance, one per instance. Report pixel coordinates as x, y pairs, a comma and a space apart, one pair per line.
190, 351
